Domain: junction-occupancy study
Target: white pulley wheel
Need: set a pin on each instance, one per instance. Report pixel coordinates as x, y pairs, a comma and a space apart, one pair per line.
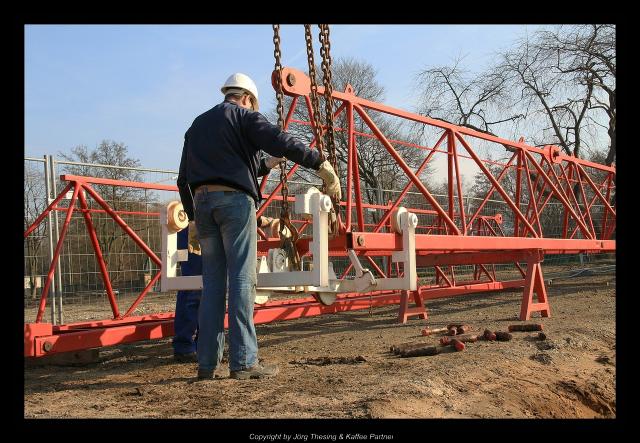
326, 298
177, 219
325, 203
395, 219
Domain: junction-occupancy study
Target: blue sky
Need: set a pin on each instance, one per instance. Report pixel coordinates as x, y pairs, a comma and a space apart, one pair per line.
143, 85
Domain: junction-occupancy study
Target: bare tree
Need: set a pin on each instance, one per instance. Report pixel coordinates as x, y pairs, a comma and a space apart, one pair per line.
452, 94
113, 240
35, 201
556, 87
561, 75
586, 54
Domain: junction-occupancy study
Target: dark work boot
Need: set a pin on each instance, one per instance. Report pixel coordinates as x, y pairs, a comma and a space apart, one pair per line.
205, 374
186, 358
256, 371
219, 372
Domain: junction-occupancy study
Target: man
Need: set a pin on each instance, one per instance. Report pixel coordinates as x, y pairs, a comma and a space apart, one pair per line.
219, 189
187, 302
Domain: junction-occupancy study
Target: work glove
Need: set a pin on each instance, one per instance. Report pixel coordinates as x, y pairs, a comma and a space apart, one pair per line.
194, 244
330, 179
273, 162
263, 221
273, 224
275, 229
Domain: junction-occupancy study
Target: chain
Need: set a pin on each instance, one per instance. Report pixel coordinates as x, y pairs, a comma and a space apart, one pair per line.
286, 243
328, 93
325, 47
280, 110
317, 123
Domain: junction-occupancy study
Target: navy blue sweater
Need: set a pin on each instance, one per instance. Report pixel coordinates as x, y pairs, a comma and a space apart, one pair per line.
223, 146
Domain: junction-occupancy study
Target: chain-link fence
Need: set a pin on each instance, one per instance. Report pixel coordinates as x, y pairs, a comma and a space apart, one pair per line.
78, 291
78, 281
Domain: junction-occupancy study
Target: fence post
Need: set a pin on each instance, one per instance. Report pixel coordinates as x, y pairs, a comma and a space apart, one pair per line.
58, 276
47, 184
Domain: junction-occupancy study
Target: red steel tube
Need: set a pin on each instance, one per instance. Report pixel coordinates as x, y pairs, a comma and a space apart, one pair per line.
350, 147
98, 253
450, 147
142, 294
56, 254
459, 186
38, 220
356, 186
518, 191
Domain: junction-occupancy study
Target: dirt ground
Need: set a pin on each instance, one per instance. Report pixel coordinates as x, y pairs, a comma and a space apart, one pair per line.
572, 374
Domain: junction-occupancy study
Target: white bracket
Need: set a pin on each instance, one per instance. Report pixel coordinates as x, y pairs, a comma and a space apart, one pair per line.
403, 222
171, 255
313, 205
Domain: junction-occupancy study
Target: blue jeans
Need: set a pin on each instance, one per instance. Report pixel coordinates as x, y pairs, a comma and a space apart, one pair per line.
226, 223
185, 324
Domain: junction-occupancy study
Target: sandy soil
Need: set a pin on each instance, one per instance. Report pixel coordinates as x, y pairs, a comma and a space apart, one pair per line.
572, 374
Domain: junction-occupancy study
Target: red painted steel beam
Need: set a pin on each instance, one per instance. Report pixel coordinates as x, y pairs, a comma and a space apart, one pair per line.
101, 211
70, 327
350, 165
471, 258
99, 337
124, 183
473, 288
75, 339
393, 242
142, 294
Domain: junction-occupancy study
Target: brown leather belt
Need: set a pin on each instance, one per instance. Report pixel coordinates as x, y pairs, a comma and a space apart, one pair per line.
213, 188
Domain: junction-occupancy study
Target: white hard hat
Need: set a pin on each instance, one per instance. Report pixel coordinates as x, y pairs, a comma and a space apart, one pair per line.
241, 81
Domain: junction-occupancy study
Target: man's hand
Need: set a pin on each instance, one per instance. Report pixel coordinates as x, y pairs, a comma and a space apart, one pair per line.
330, 180
275, 229
273, 224
194, 244
272, 162
263, 221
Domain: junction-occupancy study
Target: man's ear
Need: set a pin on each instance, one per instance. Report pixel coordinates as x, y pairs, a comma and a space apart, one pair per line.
246, 101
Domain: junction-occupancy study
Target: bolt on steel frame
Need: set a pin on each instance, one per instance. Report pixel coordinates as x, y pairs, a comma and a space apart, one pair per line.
455, 235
